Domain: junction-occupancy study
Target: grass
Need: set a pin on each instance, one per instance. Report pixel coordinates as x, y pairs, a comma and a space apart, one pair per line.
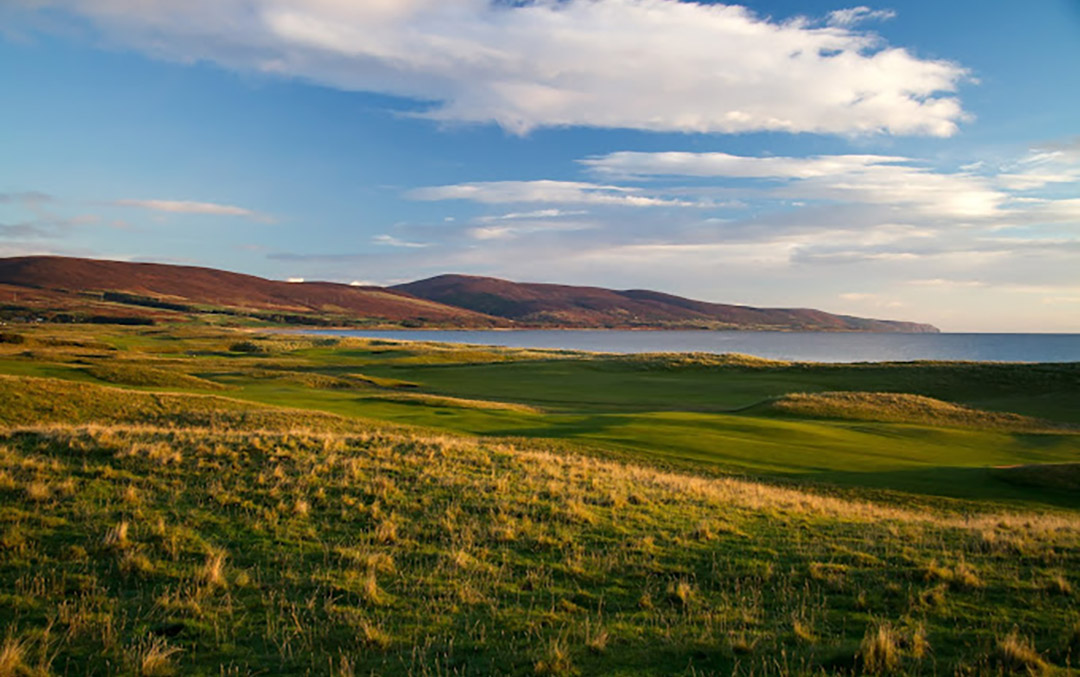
700, 412
140, 375
402, 558
310, 519
900, 408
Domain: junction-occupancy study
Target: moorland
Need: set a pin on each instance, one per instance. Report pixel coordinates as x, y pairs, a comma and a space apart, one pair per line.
67, 289
193, 499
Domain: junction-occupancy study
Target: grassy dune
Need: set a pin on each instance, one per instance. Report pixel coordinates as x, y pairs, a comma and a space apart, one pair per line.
900, 408
140, 375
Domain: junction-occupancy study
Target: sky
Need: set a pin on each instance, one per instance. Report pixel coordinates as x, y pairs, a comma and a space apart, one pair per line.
916, 160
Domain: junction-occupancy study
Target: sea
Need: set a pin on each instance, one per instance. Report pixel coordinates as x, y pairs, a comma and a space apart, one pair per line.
796, 346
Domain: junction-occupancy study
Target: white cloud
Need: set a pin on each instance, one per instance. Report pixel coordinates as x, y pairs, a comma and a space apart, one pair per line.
631, 164
391, 241
858, 296
562, 192
868, 179
190, 207
513, 229
942, 283
657, 65
857, 15
1043, 167
536, 214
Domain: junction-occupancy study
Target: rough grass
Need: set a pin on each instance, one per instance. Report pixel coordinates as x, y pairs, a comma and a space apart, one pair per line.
1058, 476
36, 401
289, 551
455, 402
384, 382
305, 379
677, 361
142, 375
900, 408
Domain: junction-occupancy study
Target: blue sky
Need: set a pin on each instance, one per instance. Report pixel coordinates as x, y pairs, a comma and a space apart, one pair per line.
913, 160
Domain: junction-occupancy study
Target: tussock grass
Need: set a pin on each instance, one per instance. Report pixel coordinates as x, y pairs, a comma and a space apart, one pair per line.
153, 657
12, 653
900, 408
880, 650
1016, 654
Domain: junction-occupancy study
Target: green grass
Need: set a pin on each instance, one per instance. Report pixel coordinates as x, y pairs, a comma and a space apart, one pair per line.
140, 375
241, 545
609, 383
354, 507
730, 414
902, 408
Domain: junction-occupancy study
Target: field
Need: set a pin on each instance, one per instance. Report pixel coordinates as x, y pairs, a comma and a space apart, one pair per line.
194, 500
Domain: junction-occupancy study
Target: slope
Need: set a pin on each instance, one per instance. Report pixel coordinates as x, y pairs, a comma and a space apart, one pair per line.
53, 281
564, 305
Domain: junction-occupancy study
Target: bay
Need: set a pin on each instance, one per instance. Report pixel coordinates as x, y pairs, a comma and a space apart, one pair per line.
799, 346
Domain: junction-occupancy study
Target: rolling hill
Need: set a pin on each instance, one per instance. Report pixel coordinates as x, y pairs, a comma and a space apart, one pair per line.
75, 288
562, 305
122, 288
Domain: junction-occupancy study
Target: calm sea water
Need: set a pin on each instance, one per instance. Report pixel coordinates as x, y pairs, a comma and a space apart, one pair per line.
808, 346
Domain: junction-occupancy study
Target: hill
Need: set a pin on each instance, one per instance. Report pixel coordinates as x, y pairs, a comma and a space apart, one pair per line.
564, 305
116, 288
82, 289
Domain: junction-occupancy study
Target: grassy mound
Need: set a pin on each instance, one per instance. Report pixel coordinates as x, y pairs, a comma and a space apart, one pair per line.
384, 381
306, 379
426, 400
1058, 476
142, 375
30, 401
692, 360
899, 408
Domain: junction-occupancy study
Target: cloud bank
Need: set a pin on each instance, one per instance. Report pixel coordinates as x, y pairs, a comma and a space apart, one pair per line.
660, 65
868, 179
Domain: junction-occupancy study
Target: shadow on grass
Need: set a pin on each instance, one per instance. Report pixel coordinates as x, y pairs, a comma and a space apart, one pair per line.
984, 483
571, 428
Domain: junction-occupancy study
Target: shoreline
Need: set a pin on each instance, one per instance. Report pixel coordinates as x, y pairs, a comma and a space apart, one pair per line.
796, 347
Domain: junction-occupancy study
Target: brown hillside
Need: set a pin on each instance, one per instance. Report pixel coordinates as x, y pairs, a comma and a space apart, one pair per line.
61, 282
553, 304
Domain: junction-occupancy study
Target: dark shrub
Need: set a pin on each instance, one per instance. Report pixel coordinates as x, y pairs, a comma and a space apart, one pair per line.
247, 347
